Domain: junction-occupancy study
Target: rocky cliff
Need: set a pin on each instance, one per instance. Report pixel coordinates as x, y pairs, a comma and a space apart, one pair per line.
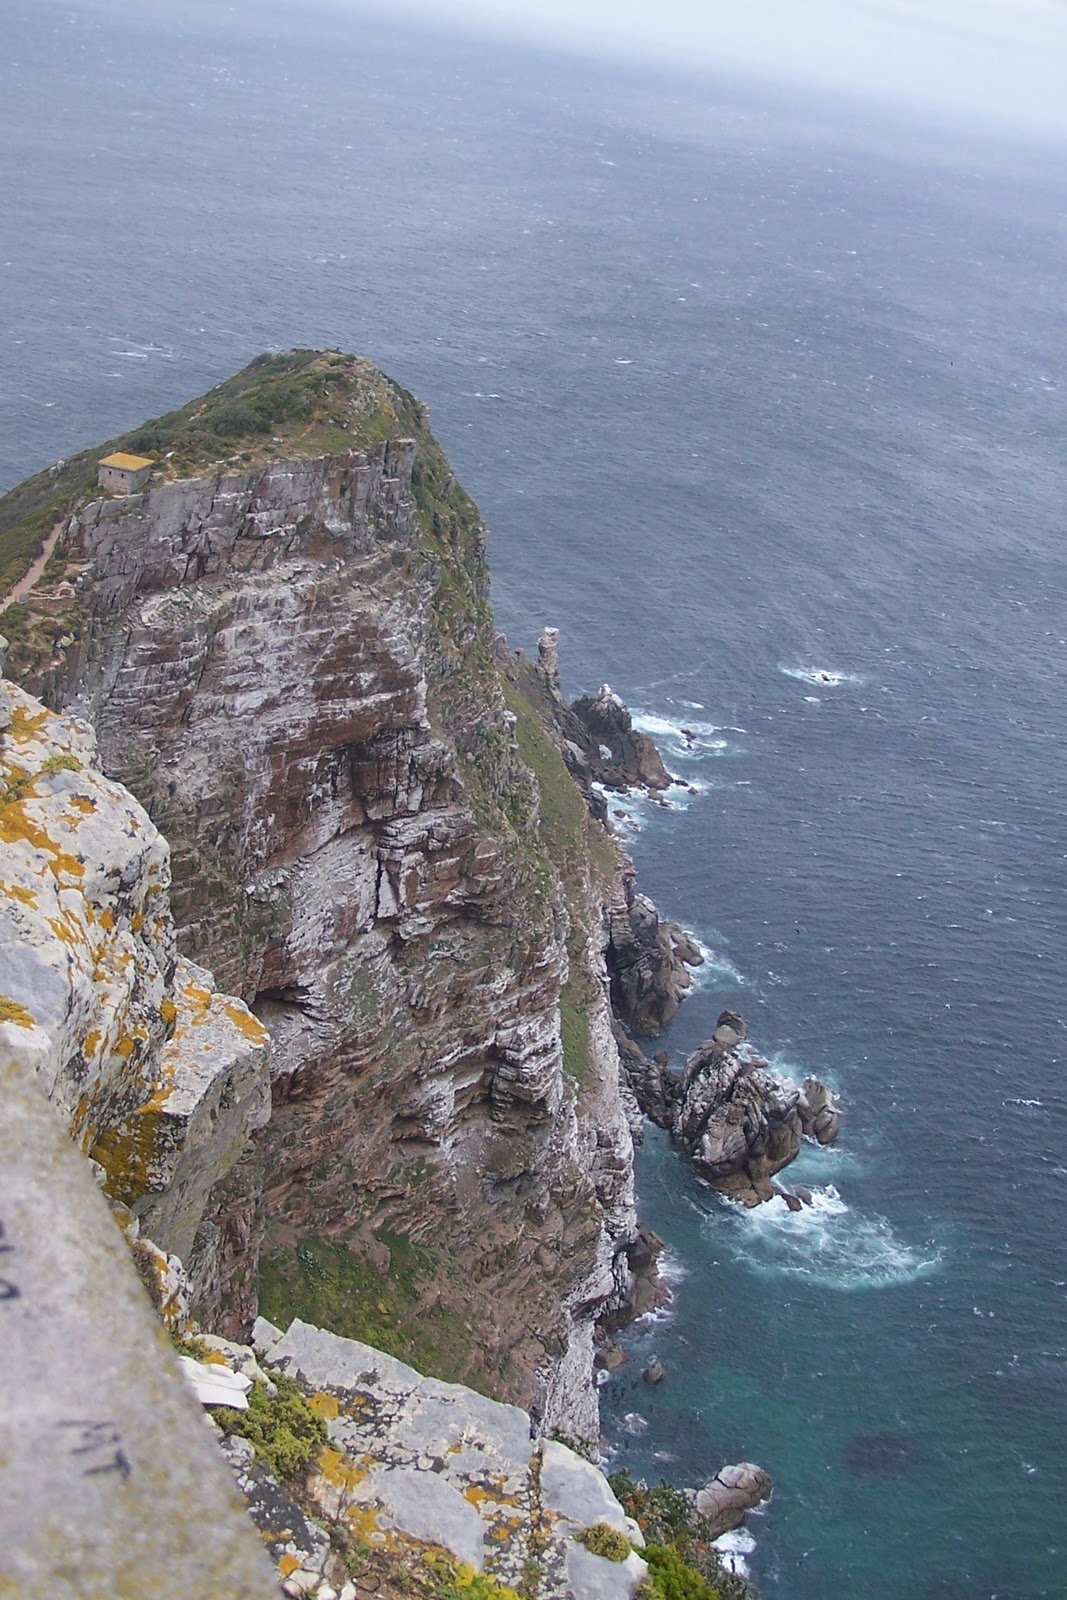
285, 647
111, 1487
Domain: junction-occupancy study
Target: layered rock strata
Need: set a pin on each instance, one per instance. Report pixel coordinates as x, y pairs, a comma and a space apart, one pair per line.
292, 667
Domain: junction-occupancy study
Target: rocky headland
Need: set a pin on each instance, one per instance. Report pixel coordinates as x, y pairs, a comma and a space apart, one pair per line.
329, 978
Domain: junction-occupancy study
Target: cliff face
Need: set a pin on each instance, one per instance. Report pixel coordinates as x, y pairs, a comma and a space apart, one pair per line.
152, 1071
290, 662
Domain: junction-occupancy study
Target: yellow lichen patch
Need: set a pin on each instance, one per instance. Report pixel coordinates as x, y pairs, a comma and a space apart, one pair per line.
91, 1043
338, 1470
23, 726
16, 827
82, 803
19, 891
492, 1494
60, 926
363, 1523
324, 1405
168, 1011
246, 1023
287, 1564
126, 1154
11, 1011
137, 922
126, 1047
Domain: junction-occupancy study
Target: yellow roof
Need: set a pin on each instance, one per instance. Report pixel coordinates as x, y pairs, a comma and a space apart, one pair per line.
127, 463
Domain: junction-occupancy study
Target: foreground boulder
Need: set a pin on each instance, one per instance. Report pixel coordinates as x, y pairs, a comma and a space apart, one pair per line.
413, 1462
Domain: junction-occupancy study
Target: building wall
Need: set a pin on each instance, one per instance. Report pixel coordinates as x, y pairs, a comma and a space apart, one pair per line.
124, 482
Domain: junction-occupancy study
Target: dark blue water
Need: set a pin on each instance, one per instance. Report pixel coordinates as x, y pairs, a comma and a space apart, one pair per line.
749, 390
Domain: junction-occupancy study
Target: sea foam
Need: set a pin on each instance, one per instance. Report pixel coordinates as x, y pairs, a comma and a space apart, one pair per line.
826, 1243
825, 677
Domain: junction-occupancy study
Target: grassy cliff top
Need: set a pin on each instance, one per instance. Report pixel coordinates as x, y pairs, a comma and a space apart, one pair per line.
300, 403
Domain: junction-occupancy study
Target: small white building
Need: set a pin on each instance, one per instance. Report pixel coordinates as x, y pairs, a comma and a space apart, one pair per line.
125, 473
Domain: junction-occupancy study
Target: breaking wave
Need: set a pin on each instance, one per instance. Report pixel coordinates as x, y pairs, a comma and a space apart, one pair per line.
826, 1243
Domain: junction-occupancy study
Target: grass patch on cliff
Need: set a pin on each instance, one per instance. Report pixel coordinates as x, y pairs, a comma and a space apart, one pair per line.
324, 1282
576, 844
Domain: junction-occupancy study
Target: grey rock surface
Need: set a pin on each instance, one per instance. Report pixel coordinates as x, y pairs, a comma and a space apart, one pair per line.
436, 1462
112, 1488
733, 1491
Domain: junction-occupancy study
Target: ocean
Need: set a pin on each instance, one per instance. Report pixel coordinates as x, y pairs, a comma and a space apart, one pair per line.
763, 400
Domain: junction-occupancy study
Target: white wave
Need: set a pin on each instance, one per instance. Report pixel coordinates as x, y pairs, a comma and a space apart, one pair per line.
671, 1268
684, 741
826, 1243
717, 967
827, 677
634, 1423
1015, 1102
732, 1548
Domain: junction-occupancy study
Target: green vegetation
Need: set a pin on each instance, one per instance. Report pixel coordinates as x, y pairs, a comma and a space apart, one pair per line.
398, 1311
573, 841
442, 1578
682, 1561
282, 1428
605, 1541
670, 1578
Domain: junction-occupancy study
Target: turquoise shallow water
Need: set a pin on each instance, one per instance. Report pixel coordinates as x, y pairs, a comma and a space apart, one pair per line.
751, 391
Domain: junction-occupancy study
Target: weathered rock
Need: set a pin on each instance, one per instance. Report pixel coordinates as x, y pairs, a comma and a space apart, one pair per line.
548, 659
731, 1493
654, 1088
631, 758
819, 1113
156, 1075
654, 1372
738, 1121
648, 962
112, 1484
413, 1459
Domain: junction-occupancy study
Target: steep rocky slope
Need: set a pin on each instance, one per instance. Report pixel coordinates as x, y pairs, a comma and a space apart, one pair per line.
288, 656
388, 1475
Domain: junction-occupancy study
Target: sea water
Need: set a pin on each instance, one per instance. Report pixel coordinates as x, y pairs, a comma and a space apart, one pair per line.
763, 401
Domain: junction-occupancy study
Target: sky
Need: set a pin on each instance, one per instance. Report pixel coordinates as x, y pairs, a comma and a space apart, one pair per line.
1003, 61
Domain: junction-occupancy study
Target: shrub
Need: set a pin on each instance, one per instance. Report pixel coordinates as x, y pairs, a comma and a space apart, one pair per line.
282, 1428
671, 1522
604, 1541
671, 1578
